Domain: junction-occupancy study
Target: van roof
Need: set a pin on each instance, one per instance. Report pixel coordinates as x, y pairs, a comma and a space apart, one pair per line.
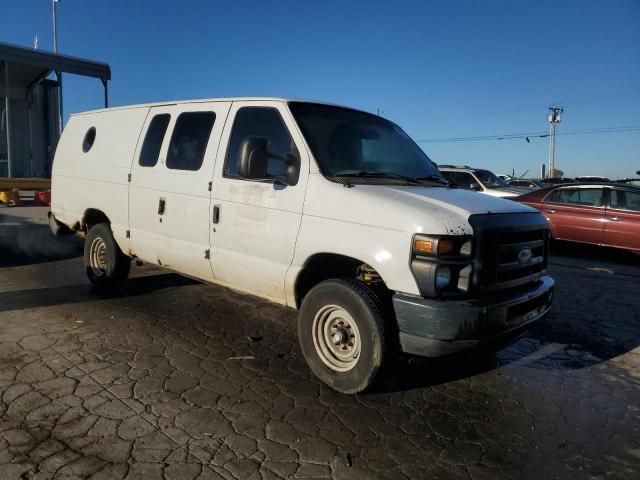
207, 100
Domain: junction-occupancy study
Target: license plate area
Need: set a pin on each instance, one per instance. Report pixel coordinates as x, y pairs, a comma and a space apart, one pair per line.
525, 311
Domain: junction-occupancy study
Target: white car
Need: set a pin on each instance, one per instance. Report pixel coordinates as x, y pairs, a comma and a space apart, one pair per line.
325, 209
480, 180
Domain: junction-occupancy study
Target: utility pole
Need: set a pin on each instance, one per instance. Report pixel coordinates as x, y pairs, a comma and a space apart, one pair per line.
555, 115
54, 4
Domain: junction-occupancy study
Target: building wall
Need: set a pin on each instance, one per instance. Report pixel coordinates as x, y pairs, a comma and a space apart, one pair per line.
33, 128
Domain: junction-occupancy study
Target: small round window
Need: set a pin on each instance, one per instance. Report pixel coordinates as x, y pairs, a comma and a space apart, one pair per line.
89, 138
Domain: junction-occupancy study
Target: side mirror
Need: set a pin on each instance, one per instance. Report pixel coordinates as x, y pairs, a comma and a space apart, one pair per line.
475, 186
254, 162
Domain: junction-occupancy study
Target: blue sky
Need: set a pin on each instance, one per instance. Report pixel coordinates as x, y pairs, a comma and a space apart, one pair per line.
439, 69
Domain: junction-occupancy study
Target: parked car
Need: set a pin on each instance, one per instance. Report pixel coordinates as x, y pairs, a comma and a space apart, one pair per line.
325, 209
592, 178
556, 181
630, 181
479, 180
602, 214
523, 182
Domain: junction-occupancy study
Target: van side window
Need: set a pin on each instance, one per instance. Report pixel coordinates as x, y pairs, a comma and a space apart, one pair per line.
89, 138
263, 122
189, 140
153, 140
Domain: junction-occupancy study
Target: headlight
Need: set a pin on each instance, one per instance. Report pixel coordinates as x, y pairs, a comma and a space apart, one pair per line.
443, 277
442, 246
465, 249
441, 264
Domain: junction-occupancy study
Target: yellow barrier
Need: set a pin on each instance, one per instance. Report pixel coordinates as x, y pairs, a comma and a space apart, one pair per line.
25, 183
11, 197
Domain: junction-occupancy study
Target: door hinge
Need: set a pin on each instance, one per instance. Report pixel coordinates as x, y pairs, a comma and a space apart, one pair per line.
207, 254
128, 234
210, 185
128, 177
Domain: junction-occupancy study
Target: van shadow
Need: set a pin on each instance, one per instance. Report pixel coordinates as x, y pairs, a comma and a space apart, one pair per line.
409, 372
594, 319
44, 297
23, 242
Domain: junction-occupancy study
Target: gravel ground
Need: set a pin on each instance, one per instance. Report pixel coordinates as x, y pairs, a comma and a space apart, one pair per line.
178, 379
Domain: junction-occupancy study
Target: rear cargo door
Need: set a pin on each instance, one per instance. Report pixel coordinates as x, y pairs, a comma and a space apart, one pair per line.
173, 209
145, 185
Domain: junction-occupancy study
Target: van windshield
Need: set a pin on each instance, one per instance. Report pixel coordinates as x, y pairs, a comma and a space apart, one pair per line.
358, 147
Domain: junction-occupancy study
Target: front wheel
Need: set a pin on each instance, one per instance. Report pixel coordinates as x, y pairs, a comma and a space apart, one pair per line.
107, 267
342, 335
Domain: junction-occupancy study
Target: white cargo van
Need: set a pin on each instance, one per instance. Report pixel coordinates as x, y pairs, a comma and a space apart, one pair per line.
325, 209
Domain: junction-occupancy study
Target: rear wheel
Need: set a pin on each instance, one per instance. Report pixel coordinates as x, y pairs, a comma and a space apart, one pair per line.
342, 335
107, 267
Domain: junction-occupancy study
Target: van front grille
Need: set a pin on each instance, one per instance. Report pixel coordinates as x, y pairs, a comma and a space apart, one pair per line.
511, 250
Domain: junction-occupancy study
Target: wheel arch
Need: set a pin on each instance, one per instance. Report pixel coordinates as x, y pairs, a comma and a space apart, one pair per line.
91, 217
324, 266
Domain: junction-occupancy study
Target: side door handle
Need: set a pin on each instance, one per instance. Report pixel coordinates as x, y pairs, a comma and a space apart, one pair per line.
614, 219
216, 213
550, 211
161, 206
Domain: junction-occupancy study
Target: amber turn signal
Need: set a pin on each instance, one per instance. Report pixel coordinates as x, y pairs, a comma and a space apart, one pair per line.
421, 245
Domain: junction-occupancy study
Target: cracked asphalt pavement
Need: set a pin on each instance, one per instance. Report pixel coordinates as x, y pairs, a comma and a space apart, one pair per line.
178, 379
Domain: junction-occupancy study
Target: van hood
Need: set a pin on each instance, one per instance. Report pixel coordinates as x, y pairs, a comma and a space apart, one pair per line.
418, 209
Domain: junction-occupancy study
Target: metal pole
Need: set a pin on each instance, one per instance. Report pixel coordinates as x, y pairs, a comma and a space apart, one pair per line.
60, 111
549, 175
8, 124
555, 116
106, 93
58, 73
55, 30
553, 149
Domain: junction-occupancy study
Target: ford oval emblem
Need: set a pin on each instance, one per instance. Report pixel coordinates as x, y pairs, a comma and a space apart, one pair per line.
524, 256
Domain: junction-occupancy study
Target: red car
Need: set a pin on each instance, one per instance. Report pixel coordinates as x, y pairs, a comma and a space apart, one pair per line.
598, 213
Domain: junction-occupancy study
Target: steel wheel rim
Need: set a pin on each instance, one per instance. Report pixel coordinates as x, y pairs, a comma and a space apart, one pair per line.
336, 338
98, 257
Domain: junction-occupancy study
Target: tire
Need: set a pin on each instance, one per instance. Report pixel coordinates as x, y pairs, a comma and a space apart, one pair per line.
107, 267
346, 356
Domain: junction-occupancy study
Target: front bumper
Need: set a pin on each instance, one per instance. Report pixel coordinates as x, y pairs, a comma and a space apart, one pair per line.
434, 328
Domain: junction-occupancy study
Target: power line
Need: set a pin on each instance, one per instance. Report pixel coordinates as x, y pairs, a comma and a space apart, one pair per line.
530, 135
486, 137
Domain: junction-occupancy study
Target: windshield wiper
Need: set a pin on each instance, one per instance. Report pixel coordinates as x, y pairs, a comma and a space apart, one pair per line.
377, 174
435, 178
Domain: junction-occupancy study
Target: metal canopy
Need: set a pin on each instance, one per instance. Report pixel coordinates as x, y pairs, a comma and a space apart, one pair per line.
25, 67
25, 115
38, 59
